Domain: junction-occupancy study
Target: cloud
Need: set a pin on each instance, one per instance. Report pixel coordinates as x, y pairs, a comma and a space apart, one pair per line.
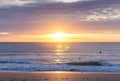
94, 15
4, 33
31, 18
107, 14
7, 3
69, 1
14, 2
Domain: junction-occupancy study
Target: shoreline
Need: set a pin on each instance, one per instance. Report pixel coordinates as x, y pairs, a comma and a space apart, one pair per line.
59, 76
59, 71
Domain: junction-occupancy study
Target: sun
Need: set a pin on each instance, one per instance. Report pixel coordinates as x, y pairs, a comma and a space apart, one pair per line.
59, 37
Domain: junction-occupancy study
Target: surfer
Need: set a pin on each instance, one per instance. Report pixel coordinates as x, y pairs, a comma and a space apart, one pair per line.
80, 58
100, 52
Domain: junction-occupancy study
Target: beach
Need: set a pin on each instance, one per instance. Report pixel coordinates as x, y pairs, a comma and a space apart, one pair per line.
59, 76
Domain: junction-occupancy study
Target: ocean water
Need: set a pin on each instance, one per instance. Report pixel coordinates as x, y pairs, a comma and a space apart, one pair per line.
54, 56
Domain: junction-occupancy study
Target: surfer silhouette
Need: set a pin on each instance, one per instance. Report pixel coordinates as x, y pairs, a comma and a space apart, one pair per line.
100, 52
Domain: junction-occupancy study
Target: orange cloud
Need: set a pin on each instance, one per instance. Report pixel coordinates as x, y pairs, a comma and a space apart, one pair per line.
4, 33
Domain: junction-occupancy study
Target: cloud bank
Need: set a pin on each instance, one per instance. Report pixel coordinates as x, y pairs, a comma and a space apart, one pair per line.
87, 16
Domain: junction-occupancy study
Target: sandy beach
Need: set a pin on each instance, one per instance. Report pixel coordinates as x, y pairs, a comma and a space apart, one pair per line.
58, 76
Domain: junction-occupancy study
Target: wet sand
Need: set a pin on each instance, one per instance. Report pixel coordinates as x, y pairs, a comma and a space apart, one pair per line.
58, 76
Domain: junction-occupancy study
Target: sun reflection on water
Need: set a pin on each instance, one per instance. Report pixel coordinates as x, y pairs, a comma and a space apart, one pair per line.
60, 50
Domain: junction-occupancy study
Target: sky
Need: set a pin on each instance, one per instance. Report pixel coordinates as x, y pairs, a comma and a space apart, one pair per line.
84, 20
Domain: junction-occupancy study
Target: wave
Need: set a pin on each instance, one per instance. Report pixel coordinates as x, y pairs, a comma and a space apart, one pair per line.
87, 63
91, 63
5, 62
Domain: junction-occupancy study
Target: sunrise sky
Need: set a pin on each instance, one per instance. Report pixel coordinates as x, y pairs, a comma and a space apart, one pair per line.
59, 20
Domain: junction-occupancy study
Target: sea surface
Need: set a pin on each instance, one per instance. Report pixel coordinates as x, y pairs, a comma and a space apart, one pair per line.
55, 56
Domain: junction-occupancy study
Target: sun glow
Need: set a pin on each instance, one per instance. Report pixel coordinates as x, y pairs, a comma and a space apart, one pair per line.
60, 37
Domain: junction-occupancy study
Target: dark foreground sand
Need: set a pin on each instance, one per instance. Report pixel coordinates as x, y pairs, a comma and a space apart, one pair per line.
58, 76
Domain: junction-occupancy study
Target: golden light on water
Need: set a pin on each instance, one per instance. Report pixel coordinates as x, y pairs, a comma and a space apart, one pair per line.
60, 50
59, 72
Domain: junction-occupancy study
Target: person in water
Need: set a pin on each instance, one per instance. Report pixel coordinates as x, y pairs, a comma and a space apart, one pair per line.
80, 58
100, 52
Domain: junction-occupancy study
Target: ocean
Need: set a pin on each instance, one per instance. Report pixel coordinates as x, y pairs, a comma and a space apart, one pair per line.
56, 56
